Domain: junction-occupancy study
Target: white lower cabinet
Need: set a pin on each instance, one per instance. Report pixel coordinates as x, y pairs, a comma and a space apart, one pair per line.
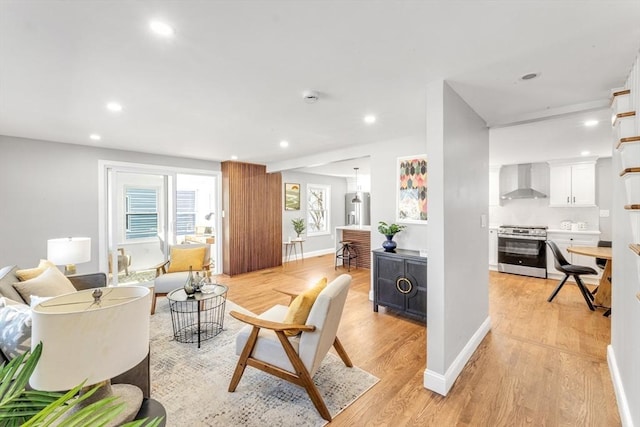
493, 248
566, 240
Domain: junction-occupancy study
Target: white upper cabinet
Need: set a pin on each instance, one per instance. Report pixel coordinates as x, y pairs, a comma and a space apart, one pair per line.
572, 184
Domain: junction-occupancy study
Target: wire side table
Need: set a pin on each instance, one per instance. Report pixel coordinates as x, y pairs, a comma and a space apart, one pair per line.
199, 317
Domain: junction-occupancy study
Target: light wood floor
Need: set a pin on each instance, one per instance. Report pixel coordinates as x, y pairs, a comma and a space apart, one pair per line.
542, 364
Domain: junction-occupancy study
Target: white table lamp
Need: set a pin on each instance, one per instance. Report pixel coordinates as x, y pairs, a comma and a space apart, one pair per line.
69, 251
92, 338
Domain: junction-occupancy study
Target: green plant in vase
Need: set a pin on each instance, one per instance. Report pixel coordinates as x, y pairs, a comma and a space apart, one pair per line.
298, 226
389, 230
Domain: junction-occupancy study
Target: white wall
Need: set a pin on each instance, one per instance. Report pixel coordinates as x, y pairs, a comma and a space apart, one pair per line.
624, 351
384, 187
322, 243
50, 190
458, 284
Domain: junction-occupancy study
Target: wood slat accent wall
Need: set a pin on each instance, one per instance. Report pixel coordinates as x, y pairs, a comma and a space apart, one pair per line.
362, 242
252, 225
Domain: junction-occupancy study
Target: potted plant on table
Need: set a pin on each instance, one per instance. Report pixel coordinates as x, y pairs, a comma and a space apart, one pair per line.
298, 226
389, 230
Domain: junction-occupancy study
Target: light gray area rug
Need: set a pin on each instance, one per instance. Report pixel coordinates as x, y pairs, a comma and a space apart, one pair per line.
192, 383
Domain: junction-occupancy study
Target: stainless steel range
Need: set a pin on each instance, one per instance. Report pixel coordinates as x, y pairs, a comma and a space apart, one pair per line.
522, 250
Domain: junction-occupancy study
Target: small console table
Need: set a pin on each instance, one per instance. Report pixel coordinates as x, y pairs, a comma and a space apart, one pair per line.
199, 317
290, 247
400, 282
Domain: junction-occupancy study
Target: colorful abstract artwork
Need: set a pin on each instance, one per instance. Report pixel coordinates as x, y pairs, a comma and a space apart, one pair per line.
412, 191
291, 197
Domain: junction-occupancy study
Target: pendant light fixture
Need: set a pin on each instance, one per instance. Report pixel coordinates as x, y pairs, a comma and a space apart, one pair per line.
356, 199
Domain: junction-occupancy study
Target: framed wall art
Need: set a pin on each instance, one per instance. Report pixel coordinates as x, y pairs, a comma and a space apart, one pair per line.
412, 189
291, 197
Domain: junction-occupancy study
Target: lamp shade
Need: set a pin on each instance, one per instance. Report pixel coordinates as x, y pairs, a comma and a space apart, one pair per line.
87, 341
69, 250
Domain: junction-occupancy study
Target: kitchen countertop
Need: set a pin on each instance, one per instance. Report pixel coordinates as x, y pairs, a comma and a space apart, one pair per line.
585, 232
354, 227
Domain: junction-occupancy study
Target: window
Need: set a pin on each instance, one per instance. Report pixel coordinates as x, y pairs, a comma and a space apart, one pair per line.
186, 212
141, 213
318, 220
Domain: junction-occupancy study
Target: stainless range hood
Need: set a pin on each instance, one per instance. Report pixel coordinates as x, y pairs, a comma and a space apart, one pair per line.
523, 189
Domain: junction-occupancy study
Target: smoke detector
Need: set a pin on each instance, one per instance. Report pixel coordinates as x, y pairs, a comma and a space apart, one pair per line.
310, 96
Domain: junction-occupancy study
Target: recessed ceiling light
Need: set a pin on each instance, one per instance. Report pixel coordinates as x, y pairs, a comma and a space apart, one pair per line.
369, 119
95, 137
284, 144
114, 106
585, 153
529, 76
591, 123
234, 157
161, 28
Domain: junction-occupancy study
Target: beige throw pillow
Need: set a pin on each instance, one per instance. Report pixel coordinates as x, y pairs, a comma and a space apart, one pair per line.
51, 283
30, 273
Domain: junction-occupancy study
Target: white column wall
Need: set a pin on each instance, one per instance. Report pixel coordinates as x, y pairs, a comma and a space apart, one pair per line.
457, 239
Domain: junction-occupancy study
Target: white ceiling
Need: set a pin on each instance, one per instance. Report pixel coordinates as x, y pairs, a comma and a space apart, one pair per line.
231, 80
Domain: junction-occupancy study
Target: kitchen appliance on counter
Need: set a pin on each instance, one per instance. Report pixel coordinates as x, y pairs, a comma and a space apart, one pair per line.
522, 250
357, 213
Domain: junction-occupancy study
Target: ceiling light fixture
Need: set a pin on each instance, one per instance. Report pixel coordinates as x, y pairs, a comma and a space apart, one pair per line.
370, 119
310, 96
161, 28
585, 153
95, 137
529, 76
590, 123
284, 144
356, 199
114, 106
234, 157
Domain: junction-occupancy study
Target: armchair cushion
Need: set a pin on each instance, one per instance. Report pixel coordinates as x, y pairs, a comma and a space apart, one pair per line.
51, 283
300, 307
165, 283
183, 258
31, 273
268, 347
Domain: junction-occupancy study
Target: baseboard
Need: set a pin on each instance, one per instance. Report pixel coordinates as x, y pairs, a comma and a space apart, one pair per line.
441, 384
618, 387
588, 279
310, 254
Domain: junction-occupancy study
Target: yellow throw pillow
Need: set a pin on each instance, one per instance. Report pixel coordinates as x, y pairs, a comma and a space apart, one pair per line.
183, 258
51, 283
31, 273
300, 307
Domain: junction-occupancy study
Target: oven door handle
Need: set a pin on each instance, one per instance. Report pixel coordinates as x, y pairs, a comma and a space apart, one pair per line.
524, 237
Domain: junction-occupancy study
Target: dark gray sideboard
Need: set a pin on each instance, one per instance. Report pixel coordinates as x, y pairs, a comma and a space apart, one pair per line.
400, 282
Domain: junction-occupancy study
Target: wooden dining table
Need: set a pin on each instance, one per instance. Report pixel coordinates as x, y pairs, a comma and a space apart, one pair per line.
603, 296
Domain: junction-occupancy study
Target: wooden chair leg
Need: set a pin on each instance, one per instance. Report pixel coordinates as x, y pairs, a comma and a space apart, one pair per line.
342, 353
153, 303
242, 361
304, 376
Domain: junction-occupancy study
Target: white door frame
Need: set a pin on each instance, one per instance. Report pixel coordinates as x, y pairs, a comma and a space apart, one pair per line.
105, 165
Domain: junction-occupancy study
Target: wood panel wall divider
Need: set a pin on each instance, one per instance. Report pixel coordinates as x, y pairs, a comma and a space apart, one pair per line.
252, 223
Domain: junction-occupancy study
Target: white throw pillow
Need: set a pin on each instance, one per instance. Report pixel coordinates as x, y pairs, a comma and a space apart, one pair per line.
51, 283
15, 329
